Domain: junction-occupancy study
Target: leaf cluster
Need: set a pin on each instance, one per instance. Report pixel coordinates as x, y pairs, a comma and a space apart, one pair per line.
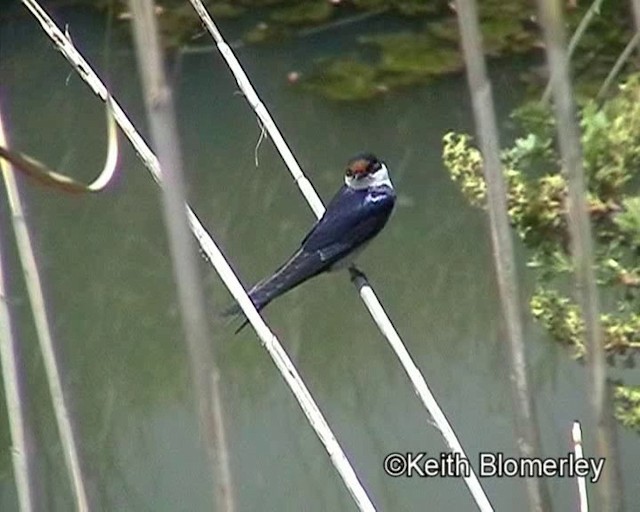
627, 409
538, 204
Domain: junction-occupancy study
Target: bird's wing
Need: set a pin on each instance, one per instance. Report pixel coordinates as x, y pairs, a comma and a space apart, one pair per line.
300, 267
348, 223
297, 269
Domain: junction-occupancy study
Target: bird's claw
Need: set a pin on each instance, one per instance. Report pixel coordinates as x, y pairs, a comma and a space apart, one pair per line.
355, 273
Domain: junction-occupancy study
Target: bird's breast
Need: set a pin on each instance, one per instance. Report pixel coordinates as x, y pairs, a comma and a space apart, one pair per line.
375, 197
378, 195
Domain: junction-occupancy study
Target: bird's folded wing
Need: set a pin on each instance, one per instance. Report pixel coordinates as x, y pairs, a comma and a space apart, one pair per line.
349, 228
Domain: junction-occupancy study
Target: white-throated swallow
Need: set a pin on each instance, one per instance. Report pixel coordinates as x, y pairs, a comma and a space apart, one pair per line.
356, 214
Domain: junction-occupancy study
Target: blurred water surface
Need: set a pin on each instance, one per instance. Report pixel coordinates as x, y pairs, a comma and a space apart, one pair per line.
112, 304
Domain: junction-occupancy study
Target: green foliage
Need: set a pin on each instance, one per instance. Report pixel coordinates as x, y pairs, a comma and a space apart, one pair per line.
628, 406
628, 221
537, 207
465, 165
560, 317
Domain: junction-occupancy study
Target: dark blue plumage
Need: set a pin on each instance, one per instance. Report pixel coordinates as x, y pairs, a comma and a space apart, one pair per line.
356, 214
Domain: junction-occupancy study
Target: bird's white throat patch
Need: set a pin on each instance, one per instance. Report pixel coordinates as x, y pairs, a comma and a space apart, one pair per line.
377, 179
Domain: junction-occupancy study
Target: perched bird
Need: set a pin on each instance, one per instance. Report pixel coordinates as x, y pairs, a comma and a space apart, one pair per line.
355, 215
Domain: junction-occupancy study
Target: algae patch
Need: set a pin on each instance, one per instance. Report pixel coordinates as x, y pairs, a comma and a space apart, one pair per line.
304, 13
344, 79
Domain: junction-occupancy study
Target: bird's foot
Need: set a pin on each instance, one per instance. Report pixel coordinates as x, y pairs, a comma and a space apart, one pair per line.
355, 273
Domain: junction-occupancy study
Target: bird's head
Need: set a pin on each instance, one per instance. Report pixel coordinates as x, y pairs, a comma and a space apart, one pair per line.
365, 170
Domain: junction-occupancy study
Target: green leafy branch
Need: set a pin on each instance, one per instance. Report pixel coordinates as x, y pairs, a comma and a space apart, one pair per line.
537, 206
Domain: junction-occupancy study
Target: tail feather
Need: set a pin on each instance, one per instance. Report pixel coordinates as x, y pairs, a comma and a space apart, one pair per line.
300, 267
235, 312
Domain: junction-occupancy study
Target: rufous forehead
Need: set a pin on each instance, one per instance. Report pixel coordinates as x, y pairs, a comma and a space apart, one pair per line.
359, 166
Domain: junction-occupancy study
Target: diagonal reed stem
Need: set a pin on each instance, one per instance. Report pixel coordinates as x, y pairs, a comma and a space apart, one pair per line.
619, 64
594, 9
14, 391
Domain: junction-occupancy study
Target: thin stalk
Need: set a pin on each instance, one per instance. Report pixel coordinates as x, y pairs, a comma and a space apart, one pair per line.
366, 292
581, 244
14, 390
526, 424
576, 434
575, 39
214, 255
635, 7
617, 67
204, 372
45, 340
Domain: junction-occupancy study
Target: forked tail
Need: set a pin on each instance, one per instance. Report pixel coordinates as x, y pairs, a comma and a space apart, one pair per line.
300, 267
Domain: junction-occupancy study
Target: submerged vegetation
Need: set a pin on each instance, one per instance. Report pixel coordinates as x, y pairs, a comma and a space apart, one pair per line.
422, 45
537, 207
431, 47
